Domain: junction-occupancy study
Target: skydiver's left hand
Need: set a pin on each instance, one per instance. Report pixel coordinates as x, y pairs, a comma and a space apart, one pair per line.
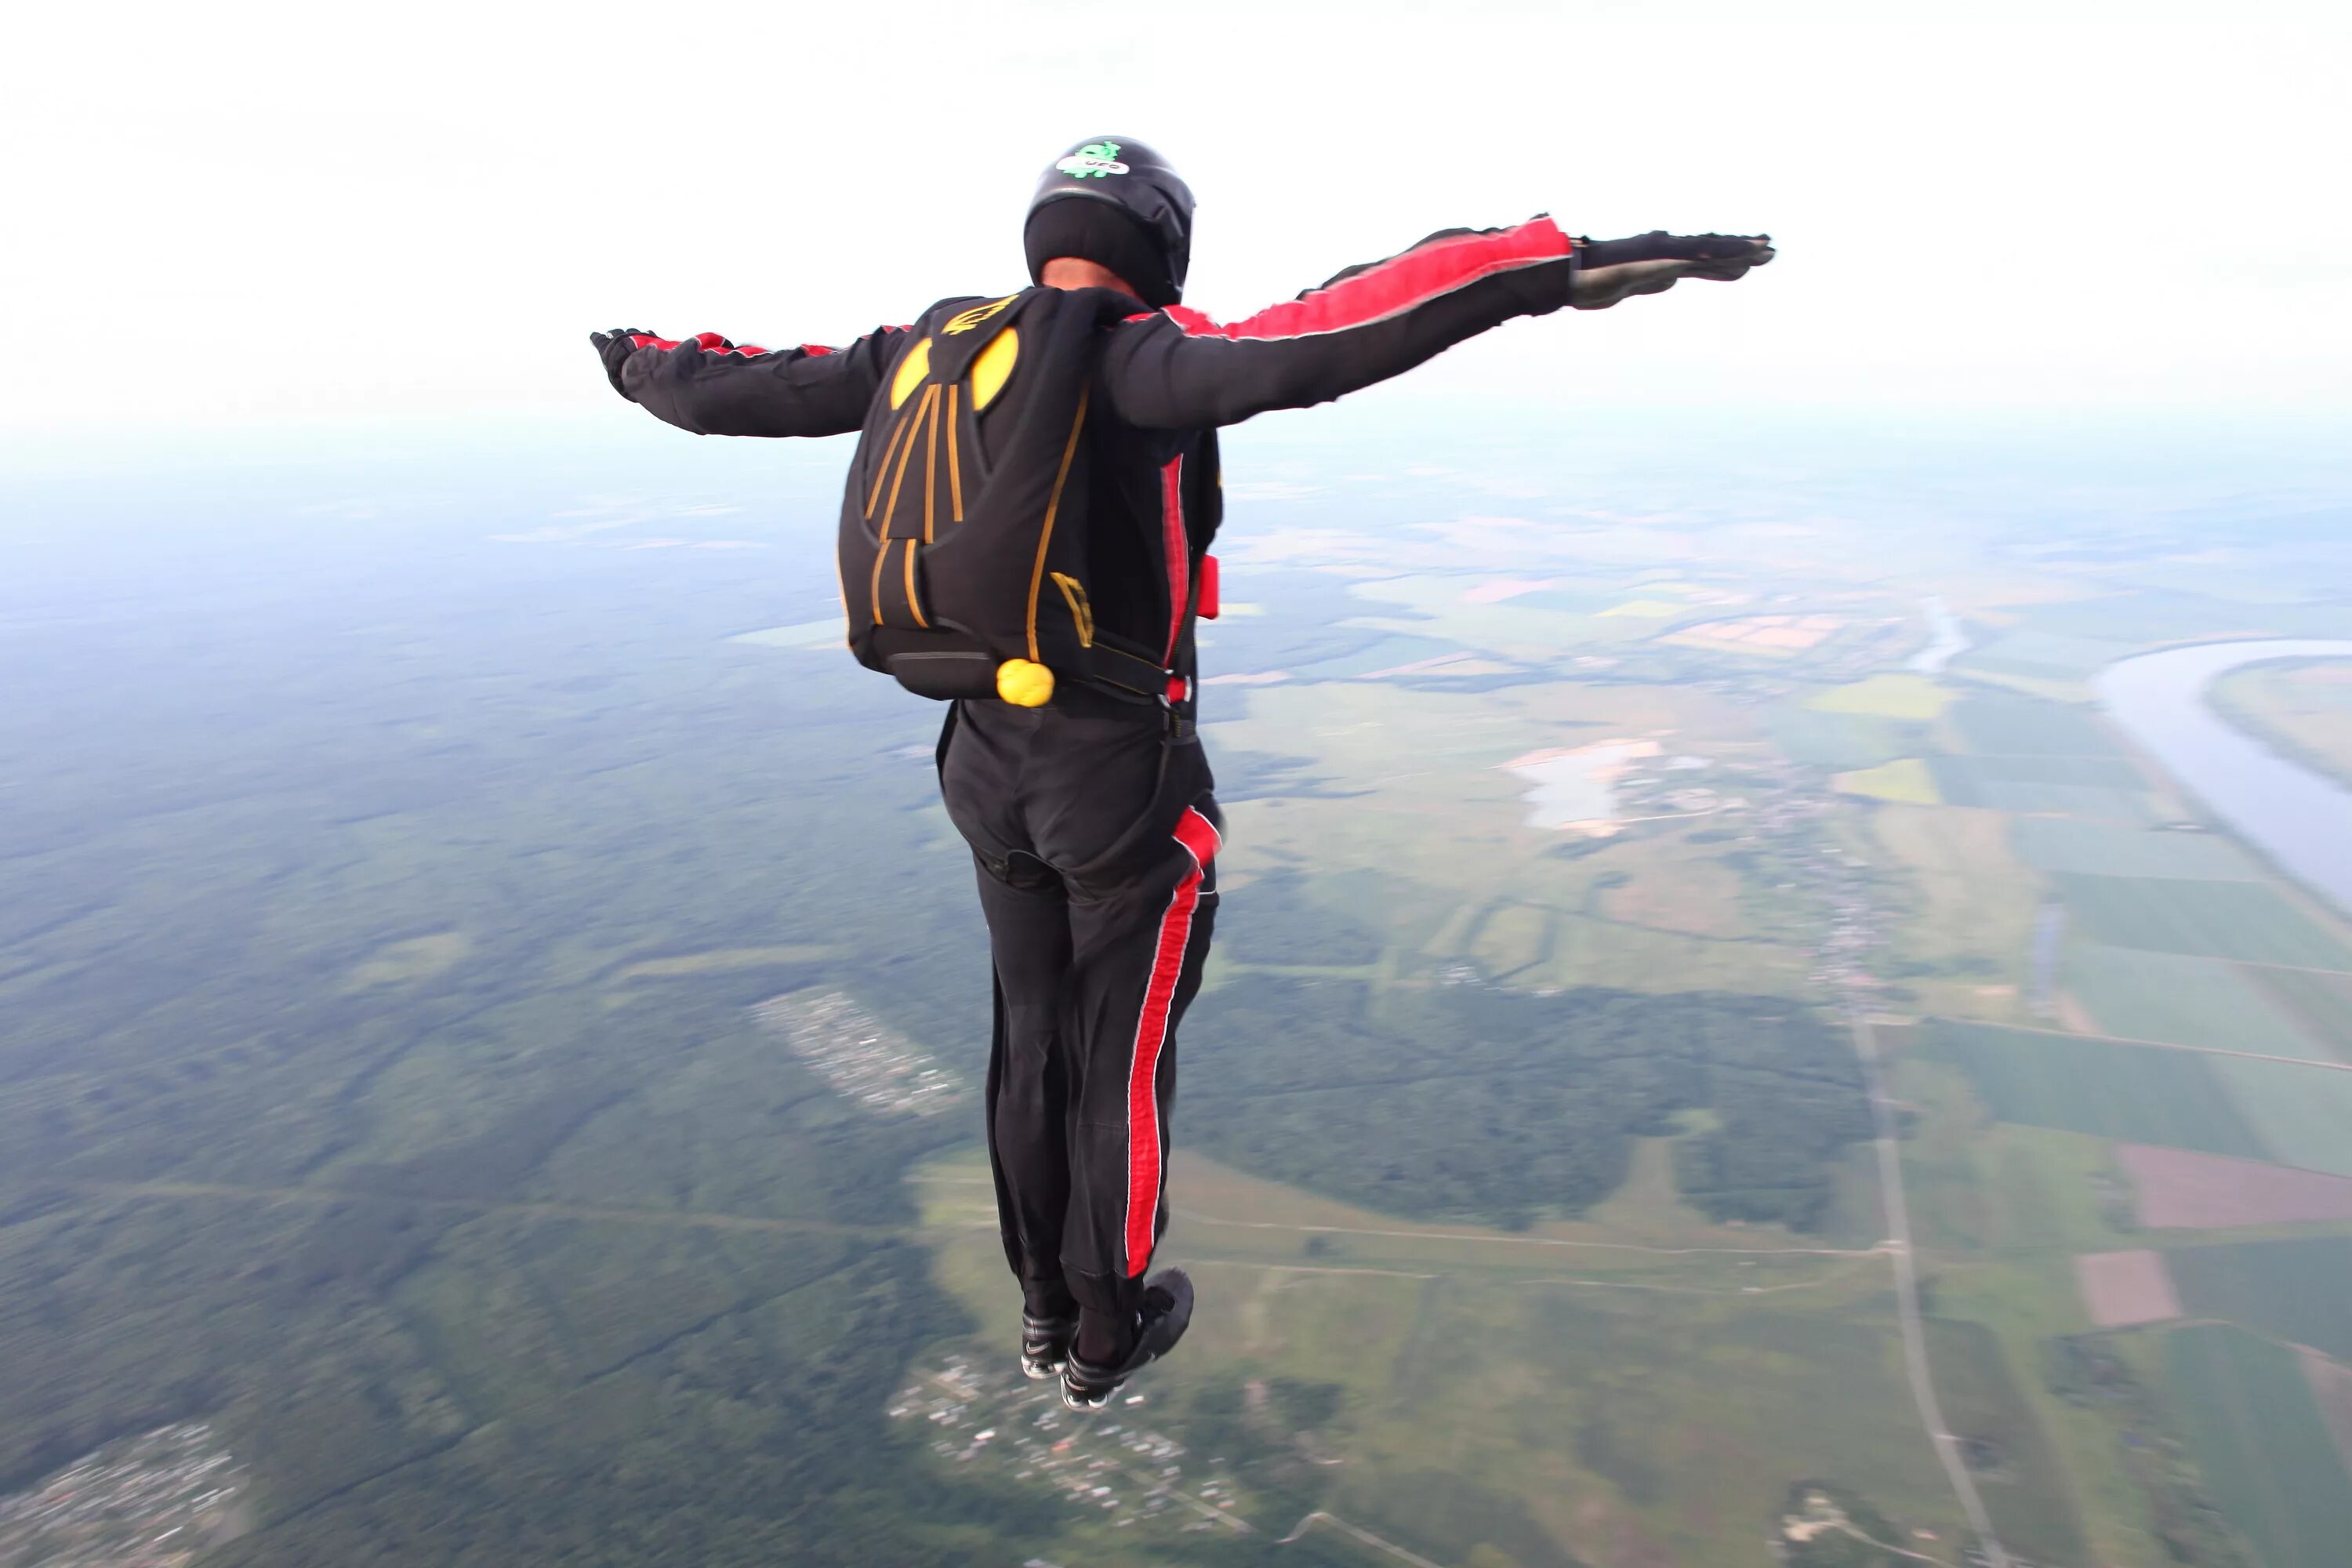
614, 349
1614, 269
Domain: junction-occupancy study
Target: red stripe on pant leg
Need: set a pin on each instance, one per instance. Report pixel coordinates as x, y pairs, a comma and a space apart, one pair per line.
1178, 545
1199, 841
1143, 1073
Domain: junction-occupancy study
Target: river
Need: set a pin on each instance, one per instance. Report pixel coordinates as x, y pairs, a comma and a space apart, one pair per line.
2300, 819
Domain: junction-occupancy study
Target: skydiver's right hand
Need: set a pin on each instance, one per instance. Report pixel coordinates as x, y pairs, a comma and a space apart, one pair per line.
1612, 270
614, 349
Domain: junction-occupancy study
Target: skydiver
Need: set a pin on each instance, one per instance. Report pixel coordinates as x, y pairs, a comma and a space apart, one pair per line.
1039, 564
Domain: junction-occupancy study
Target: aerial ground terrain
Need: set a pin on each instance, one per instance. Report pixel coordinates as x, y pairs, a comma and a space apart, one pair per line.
1719, 1048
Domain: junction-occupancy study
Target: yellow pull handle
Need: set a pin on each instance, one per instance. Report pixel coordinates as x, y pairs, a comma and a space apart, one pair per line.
1024, 683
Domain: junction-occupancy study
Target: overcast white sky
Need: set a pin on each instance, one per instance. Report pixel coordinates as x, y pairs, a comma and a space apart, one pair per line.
245, 214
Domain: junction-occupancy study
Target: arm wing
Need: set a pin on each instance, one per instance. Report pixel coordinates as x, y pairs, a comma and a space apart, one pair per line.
713, 387
1177, 369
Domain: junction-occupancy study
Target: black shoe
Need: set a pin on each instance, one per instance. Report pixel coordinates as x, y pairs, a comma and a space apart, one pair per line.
1167, 1313
1046, 1345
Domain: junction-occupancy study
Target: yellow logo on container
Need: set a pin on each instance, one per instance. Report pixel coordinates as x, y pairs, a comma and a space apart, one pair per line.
965, 321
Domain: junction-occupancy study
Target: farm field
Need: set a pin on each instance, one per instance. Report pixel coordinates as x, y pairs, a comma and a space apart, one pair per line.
1675, 887
1972, 780
2293, 1290
2247, 921
2110, 849
2299, 1112
2246, 1109
1972, 906
1772, 636
1842, 741
2265, 1450
1907, 781
1992, 726
2321, 1002
2121, 1289
1980, 1188
2096, 803
2174, 1189
1911, 697
2139, 995
2082, 1084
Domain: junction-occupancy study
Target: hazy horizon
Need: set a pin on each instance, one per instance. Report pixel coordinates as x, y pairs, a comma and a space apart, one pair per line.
253, 214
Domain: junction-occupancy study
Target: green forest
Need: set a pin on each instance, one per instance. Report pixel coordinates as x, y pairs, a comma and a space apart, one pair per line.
1479, 1103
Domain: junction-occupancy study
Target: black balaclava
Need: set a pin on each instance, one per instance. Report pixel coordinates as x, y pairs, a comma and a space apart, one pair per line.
1115, 201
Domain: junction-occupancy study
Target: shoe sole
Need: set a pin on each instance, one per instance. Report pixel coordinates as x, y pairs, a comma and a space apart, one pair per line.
1072, 1399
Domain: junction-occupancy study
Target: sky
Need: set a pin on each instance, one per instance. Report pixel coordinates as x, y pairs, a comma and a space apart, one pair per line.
244, 218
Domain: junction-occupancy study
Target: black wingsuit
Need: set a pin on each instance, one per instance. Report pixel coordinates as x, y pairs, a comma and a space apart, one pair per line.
1091, 817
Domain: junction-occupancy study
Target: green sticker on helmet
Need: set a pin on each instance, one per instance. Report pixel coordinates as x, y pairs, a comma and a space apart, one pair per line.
1095, 161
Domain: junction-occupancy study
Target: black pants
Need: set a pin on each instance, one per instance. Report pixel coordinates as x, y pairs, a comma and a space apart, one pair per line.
1095, 835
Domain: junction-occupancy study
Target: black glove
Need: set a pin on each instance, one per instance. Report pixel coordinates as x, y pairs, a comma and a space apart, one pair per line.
1609, 271
1659, 246
614, 348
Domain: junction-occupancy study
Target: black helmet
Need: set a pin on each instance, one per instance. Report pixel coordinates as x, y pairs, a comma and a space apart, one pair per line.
1136, 217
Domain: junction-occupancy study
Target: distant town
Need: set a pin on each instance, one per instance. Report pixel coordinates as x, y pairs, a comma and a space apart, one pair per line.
1120, 1467
864, 1062
150, 1502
